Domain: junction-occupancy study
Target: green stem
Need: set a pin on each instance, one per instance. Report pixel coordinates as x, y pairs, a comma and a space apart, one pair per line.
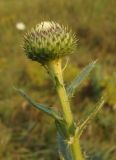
76, 149
56, 73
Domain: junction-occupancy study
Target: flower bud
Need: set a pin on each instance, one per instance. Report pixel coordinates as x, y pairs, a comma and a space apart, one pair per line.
49, 41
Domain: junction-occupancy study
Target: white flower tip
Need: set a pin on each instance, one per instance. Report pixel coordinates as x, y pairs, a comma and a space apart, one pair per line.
20, 26
46, 25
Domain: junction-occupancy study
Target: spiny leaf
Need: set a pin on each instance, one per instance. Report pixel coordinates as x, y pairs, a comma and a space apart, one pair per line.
84, 124
64, 150
60, 125
62, 136
63, 147
77, 81
41, 107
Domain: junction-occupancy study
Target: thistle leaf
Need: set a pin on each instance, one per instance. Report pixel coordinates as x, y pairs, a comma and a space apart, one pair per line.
78, 80
41, 107
63, 146
83, 125
60, 125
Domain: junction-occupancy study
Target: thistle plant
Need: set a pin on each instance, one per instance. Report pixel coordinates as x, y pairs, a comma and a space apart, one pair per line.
47, 44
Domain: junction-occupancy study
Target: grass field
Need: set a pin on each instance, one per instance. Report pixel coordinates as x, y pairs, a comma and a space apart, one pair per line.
27, 134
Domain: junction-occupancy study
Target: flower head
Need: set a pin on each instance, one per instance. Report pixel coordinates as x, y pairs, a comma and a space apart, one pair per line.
49, 41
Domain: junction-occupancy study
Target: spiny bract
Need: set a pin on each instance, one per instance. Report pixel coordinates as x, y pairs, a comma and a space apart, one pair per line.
49, 41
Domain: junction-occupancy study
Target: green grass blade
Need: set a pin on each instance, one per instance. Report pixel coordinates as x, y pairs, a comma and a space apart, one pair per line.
79, 79
41, 107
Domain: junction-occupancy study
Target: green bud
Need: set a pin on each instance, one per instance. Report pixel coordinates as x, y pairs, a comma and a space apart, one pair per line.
49, 41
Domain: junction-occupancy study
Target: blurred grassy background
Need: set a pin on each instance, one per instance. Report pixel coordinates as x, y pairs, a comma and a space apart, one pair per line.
26, 133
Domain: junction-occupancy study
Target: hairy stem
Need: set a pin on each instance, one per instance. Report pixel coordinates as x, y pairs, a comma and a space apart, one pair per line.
55, 71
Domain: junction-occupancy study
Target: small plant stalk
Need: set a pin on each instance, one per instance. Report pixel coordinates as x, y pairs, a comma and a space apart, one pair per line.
55, 71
